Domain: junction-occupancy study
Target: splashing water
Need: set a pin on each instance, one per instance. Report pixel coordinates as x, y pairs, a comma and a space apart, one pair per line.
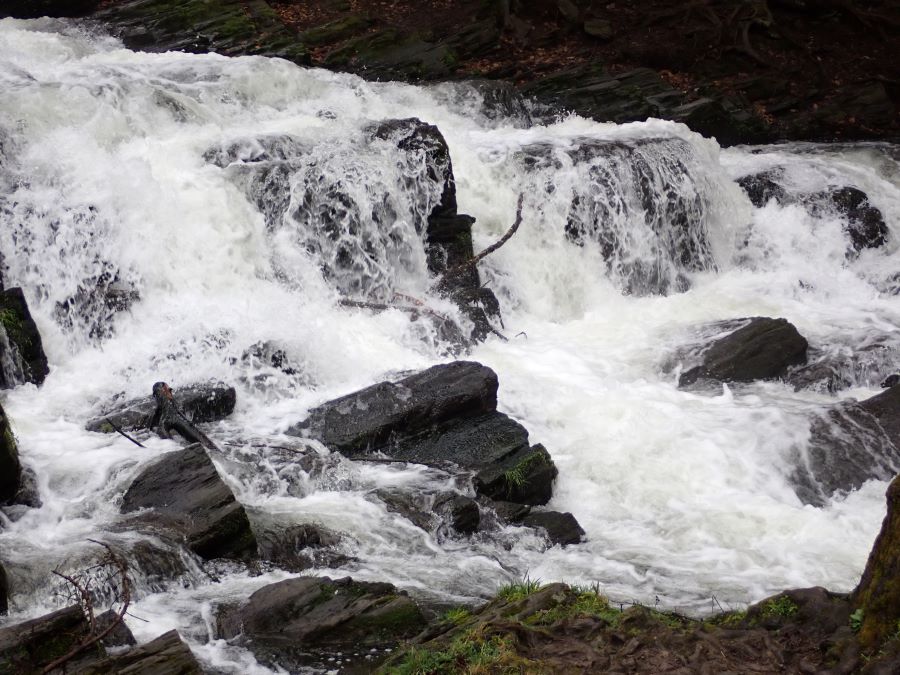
234, 201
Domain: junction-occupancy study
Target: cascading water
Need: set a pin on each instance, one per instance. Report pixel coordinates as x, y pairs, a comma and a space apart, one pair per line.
232, 202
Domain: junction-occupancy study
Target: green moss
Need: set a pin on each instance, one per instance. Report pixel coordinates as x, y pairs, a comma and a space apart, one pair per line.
586, 603
731, 619
856, 620
518, 476
468, 653
782, 606
15, 328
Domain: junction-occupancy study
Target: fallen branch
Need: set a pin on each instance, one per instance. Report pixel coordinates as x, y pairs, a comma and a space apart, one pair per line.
469, 264
82, 589
119, 429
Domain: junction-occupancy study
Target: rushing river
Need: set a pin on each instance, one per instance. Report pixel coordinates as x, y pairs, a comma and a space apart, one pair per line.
107, 175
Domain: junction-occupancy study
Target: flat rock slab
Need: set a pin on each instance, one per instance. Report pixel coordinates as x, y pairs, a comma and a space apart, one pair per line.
762, 349
444, 415
850, 444
29, 646
188, 497
166, 655
317, 612
199, 402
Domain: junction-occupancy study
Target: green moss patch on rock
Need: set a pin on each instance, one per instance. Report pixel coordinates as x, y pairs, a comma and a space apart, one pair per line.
878, 593
10, 468
21, 337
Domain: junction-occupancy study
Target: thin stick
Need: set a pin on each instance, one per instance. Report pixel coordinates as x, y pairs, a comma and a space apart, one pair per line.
454, 271
117, 428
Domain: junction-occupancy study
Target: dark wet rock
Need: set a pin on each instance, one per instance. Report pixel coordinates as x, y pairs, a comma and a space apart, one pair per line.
4, 591
267, 354
509, 512
10, 468
34, 9
22, 357
29, 646
120, 635
299, 547
592, 92
802, 607
561, 528
263, 148
761, 187
865, 223
878, 592
448, 233
446, 414
189, 498
229, 27
28, 494
850, 444
199, 402
166, 655
156, 565
843, 366
890, 381
283, 622
414, 507
97, 300
460, 512
762, 349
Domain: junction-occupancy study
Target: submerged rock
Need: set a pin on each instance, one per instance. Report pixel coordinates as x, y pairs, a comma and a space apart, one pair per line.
284, 622
299, 547
446, 414
762, 349
189, 498
10, 468
850, 444
201, 403
878, 592
865, 223
22, 357
561, 528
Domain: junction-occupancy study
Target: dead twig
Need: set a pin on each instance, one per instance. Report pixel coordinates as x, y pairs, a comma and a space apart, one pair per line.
119, 429
80, 584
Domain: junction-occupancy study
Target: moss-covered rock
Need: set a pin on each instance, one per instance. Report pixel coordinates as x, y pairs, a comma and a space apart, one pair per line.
29, 646
22, 357
878, 595
10, 468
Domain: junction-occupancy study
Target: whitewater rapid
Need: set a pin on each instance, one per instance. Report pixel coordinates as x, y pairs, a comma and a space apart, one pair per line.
683, 495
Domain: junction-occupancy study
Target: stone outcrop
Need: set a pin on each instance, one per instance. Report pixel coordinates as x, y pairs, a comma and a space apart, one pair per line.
10, 468
22, 357
201, 403
29, 646
561, 528
229, 27
188, 497
166, 655
761, 349
850, 443
283, 622
445, 415
4, 591
878, 592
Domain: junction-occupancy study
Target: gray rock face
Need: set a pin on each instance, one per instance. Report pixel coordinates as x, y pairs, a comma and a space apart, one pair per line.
29, 646
22, 357
444, 415
763, 349
283, 622
201, 403
10, 468
189, 498
4, 591
166, 655
850, 444
561, 528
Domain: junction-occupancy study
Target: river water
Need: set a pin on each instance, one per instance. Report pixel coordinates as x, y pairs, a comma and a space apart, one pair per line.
684, 496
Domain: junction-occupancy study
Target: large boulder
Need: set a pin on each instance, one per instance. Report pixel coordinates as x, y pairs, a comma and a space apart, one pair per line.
189, 498
878, 592
283, 622
4, 591
761, 349
561, 528
445, 415
201, 403
10, 468
22, 357
849, 444
865, 223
